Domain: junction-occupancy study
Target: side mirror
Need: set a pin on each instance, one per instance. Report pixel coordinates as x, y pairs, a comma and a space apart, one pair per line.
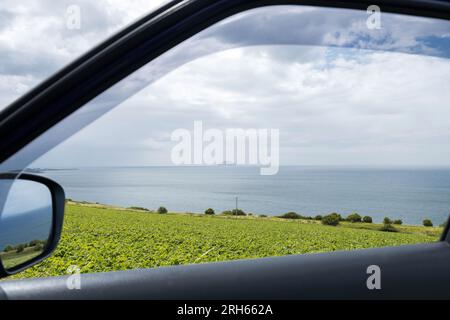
31, 219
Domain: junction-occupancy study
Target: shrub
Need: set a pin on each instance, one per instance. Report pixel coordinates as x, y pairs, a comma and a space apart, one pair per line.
387, 227
263, 216
238, 212
234, 212
20, 247
367, 219
398, 221
331, 219
8, 248
138, 208
290, 215
387, 220
427, 223
318, 217
354, 217
338, 216
162, 210
209, 211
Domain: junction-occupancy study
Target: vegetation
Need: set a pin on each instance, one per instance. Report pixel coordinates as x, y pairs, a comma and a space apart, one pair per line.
367, 219
354, 217
209, 211
101, 238
427, 223
387, 220
139, 208
331, 219
291, 215
398, 221
234, 212
162, 210
318, 217
387, 225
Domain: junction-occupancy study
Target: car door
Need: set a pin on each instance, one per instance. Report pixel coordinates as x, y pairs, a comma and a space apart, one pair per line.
174, 35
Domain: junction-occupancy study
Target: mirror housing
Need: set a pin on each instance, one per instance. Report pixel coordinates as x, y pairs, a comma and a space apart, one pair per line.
37, 203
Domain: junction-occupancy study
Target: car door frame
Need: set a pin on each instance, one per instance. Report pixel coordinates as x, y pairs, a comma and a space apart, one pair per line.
72, 87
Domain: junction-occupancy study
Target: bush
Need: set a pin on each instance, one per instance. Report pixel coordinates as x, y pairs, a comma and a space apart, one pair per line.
209, 211
398, 221
427, 223
291, 215
162, 210
234, 212
354, 217
318, 217
386, 220
331, 219
367, 219
8, 248
387, 227
263, 216
338, 216
138, 208
20, 247
238, 212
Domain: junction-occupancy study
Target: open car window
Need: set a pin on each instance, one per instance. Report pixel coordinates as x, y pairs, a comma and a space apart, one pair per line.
303, 129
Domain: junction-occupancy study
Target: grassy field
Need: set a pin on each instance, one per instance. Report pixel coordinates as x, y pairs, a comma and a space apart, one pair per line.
12, 259
100, 238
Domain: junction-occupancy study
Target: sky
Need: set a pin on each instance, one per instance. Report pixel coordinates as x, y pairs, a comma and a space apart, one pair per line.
339, 93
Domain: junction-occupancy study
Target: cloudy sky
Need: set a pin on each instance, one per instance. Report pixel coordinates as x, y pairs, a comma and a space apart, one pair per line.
339, 93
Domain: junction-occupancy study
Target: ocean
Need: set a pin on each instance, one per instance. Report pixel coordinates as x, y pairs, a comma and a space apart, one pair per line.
410, 194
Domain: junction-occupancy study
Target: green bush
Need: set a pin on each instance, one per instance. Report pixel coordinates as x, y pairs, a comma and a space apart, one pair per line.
387, 227
318, 217
331, 219
20, 247
367, 219
234, 212
8, 248
162, 210
427, 223
138, 208
398, 221
291, 215
338, 216
354, 217
209, 211
263, 216
387, 220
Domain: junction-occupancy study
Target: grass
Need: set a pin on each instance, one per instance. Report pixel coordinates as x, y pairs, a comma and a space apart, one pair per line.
13, 258
100, 238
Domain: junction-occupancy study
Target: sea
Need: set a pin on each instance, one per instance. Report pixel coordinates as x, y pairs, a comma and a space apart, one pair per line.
409, 194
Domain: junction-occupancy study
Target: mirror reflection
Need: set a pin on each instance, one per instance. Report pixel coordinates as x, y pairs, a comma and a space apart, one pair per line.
25, 221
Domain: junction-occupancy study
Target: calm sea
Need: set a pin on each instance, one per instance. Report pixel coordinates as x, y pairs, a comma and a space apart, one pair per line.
407, 194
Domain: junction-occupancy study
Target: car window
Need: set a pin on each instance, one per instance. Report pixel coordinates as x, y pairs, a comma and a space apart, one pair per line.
39, 37
280, 130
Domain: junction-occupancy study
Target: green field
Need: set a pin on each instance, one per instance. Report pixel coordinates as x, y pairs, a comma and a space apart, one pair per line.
100, 238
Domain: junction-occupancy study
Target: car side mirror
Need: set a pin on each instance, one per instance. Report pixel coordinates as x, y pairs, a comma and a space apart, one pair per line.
31, 219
